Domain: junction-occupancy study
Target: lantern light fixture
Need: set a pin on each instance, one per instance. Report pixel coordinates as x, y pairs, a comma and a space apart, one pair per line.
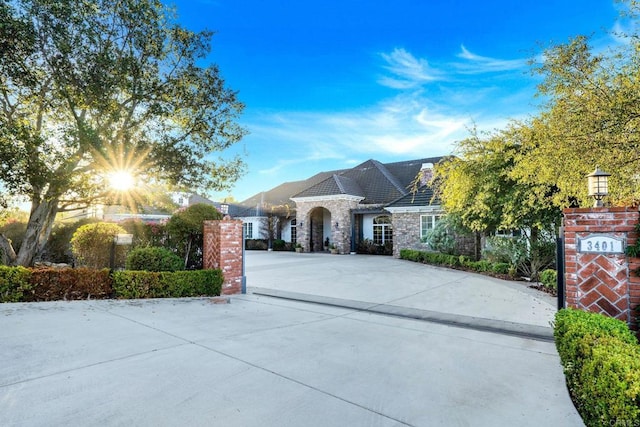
598, 186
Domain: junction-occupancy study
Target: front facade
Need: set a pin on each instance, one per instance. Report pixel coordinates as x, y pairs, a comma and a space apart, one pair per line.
371, 208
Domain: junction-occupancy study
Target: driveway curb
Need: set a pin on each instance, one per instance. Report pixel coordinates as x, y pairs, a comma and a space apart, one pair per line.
534, 332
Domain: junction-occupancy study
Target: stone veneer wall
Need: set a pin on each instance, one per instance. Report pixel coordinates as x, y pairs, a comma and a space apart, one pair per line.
406, 232
222, 249
340, 209
602, 283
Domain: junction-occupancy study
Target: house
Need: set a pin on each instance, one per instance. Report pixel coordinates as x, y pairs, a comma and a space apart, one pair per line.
370, 204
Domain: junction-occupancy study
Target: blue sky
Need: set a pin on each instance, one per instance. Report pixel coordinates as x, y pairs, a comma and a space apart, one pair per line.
329, 84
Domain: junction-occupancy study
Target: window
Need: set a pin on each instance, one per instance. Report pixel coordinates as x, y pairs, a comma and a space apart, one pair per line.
294, 231
428, 222
382, 230
247, 228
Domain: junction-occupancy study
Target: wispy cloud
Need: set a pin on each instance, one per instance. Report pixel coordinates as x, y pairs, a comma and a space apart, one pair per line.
477, 64
406, 70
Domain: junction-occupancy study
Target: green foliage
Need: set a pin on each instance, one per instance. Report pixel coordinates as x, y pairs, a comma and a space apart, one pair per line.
601, 360
442, 237
185, 230
279, 245
153, 259
14, 283
58, 247
549, 278
142, 284
145, 234
91, 244
92, 87
50, 284
436, 258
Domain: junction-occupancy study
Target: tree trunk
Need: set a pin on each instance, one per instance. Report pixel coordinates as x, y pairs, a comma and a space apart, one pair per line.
41, 219
7, 254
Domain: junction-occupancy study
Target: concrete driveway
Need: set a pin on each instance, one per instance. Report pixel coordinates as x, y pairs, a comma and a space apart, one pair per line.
266, 361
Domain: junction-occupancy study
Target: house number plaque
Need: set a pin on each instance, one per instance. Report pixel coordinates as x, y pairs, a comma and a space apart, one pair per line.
601, 244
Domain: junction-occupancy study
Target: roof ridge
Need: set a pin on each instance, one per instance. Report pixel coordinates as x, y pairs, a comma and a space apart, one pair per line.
338, 181
392, 179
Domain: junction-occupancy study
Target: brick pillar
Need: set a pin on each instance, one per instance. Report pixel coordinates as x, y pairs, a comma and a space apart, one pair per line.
222, 249
598, 277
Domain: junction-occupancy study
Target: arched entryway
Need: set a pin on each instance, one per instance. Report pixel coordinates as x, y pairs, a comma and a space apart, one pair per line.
319, 224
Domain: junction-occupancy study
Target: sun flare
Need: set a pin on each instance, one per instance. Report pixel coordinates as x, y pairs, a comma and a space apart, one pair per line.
121, 180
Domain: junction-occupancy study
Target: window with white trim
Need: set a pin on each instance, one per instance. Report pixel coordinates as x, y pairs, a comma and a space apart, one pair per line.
382, 230
294, 231
427, 223
247, 229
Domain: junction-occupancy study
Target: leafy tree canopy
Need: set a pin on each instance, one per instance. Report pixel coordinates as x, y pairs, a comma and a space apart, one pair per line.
88, 87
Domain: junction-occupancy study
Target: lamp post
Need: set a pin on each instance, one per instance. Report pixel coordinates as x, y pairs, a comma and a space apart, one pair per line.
598, 186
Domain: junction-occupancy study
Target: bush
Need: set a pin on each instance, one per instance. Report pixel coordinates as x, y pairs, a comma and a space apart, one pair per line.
58, 247
279, 245
153, 259
14, 283
92, 244
601, 360
185, 232
144, 284
48, 284
501, 268
549, 278
256, 244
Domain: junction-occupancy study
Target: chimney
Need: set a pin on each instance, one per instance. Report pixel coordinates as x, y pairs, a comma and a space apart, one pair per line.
426, 173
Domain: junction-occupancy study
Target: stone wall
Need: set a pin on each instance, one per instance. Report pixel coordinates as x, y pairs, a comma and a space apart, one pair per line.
340, 209
601, 282
406, 232
222, 249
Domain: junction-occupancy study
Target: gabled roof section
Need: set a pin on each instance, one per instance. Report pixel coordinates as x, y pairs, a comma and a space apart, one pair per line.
335, 185
423, 196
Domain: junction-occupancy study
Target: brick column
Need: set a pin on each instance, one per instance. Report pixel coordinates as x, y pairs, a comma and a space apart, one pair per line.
222, 249
601, 282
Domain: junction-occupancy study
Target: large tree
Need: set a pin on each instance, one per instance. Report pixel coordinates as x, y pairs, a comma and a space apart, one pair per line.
90, 87
591, 117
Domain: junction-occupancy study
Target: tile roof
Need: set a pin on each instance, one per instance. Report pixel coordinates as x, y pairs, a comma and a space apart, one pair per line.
423, 196
376, 182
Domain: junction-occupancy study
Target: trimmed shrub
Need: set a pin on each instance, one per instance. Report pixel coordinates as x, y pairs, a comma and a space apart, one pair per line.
14, 283
92, 244
601, 360
49, 284
501, 267
153, 259
279, 245
256, 244
146, 284
549, 278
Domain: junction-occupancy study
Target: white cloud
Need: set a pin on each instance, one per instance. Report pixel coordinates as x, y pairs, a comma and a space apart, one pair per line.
406, 70
476, 64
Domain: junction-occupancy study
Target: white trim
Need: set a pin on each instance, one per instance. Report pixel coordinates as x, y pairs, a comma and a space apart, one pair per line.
415, 209
327, 198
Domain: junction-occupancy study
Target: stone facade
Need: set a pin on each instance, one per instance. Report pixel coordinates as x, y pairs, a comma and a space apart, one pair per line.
222, 249
605, 283
406, 232
308, 212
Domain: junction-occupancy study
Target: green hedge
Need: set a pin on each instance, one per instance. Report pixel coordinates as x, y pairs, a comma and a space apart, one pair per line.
145, 284
601, 360
19, 284
14, 283
455, 261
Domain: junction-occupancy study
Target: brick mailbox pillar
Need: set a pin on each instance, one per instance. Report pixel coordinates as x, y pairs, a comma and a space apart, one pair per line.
598, 275
222, 248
